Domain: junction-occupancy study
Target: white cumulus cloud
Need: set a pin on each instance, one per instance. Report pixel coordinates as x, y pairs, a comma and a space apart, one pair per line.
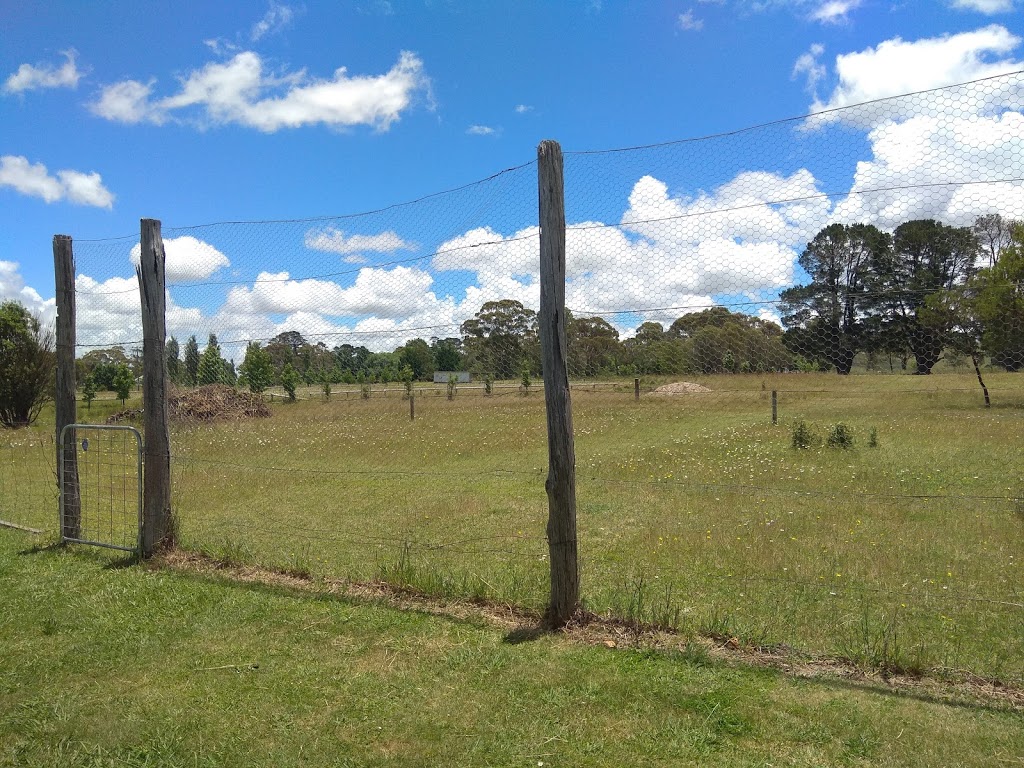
336, 241
897, 66
834, 11
30, 77
108, 313
128, 102
481, 130
241, 91
34, 180
187, 258
949, 169
988, 7
13, 288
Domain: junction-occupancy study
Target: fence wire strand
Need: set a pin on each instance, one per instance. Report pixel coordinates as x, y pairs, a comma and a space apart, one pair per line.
816, 323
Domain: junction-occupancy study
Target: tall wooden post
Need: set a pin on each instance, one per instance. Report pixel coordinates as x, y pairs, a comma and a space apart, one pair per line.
636, 389
561, 480
157, 523
67, 455
775, 406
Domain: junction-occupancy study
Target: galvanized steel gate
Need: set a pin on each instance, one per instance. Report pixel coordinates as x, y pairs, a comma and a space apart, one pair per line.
100, 480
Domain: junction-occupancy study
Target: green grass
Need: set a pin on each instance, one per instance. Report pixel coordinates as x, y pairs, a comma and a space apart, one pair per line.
694, 511
106, 665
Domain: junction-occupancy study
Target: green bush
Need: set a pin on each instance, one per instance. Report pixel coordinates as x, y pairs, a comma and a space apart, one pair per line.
873, 438
123, 382
289, 380
89, 391
840, 436
27, 363
525, 379
804, 436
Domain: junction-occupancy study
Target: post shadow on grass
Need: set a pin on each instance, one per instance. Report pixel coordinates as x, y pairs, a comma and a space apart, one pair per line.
1008, 697
525, 634
38, 549
125, 561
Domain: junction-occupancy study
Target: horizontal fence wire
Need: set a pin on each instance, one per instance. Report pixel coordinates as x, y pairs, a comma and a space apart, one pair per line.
28, 480
814, 324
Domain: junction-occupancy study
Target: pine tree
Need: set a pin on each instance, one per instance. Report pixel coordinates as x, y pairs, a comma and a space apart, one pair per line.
211, 364
191, 374
173, 363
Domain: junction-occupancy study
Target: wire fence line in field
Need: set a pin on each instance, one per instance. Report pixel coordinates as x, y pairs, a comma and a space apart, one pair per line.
746, 313
28, 481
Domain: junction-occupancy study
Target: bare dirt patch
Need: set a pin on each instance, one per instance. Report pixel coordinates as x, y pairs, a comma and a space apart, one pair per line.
214, 402
680, 388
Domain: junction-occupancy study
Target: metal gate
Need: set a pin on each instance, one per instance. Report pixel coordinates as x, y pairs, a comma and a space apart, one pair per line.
100, 479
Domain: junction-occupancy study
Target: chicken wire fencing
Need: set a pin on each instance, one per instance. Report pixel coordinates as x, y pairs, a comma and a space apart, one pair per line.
781, 341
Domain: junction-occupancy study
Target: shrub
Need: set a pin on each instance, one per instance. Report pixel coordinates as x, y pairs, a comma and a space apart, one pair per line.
27, 364
804, 437
405, 376
873, 438
123, 382
525, 379
840, 436
257, 368
89, 391
488, 383
289, 380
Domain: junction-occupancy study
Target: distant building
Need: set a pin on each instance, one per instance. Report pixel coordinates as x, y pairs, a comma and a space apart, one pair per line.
442, 377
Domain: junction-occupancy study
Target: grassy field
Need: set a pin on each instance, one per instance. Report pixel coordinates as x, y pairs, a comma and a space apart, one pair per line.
694, 511
107, 665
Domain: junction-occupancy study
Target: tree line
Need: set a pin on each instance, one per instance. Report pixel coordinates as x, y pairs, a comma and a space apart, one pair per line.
924, 292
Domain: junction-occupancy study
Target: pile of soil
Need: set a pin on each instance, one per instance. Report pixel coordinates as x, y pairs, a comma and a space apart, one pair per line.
680, 388
214, 402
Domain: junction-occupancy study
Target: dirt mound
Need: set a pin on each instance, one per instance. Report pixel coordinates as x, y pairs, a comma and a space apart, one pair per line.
215, 402
680, 388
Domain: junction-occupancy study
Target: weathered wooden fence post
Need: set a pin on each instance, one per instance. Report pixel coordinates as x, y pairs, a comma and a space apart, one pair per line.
561, 480
636, 389
412, 407
158, 525
67, 455
775, 406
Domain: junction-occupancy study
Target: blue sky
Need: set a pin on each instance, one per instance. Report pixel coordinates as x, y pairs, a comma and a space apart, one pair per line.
241, 111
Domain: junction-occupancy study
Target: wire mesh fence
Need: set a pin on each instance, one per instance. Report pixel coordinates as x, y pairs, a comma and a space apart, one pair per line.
101, 483
28, 480
781, 343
